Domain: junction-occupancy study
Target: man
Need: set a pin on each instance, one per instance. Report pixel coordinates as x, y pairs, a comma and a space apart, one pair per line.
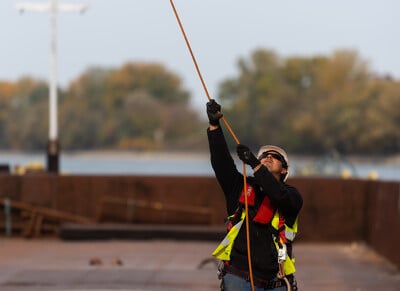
273, 208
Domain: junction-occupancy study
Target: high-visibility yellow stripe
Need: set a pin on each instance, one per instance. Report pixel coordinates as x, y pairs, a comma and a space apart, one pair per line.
288, 266
275, 220
224, 249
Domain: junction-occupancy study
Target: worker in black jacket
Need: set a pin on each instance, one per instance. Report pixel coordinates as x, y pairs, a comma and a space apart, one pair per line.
270, 200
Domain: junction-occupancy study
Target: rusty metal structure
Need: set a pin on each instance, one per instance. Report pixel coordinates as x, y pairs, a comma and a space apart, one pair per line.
342, 210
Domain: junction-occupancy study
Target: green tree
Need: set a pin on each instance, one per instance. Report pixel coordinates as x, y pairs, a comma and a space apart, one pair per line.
152, 78
82, 114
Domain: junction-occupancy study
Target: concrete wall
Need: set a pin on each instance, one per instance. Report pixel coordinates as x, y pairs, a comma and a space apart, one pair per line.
334, 209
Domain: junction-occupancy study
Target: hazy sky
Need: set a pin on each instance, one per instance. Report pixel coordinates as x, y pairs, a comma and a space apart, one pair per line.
113, 32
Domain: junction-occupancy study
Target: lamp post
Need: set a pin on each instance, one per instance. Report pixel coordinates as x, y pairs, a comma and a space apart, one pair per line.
53, 146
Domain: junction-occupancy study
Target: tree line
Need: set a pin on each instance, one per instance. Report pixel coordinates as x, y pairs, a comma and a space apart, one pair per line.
306, 104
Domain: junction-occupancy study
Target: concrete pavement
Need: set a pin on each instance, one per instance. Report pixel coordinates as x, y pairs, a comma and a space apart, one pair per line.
52, 264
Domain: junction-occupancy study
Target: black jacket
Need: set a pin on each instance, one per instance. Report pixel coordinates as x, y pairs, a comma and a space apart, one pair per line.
286, 198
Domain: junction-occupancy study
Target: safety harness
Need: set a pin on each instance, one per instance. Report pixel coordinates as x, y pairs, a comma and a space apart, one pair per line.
283, 234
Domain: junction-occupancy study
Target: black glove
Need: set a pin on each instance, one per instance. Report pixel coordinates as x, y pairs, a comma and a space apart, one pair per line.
247, 156
214, 112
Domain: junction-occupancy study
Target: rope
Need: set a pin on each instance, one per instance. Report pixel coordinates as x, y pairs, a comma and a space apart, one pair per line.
198, 71
281, 275
246, 206
289, 287
231, 133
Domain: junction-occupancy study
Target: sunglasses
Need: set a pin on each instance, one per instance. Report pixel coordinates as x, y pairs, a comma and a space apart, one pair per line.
274, 156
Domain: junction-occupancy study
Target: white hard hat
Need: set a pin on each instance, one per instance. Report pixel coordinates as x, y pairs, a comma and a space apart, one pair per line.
282, 152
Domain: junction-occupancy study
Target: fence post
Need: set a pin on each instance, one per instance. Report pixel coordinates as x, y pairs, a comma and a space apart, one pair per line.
7, 211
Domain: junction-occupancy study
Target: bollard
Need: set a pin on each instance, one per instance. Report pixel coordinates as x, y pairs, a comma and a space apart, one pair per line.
7, 211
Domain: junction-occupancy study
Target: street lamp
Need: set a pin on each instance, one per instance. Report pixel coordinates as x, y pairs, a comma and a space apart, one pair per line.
53, 146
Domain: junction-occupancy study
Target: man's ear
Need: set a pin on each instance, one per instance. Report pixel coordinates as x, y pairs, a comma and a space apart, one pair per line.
284, 171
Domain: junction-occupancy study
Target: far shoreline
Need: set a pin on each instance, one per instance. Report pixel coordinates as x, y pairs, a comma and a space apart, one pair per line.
393, 159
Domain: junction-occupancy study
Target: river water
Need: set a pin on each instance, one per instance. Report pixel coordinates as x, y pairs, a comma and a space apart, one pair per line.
125, 163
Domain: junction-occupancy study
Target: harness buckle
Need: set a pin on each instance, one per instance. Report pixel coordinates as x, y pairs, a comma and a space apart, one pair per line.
282, 253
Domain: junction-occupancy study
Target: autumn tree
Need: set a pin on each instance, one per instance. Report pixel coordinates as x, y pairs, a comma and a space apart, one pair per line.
24, 125
309, 105
136, 106
312, 104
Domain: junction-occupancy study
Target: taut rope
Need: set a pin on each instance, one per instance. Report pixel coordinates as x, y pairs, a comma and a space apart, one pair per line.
233, 136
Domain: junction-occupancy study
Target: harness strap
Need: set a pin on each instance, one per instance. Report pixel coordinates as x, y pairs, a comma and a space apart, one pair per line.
261, 283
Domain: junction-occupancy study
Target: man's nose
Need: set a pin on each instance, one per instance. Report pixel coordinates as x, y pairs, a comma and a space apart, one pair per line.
269, 157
